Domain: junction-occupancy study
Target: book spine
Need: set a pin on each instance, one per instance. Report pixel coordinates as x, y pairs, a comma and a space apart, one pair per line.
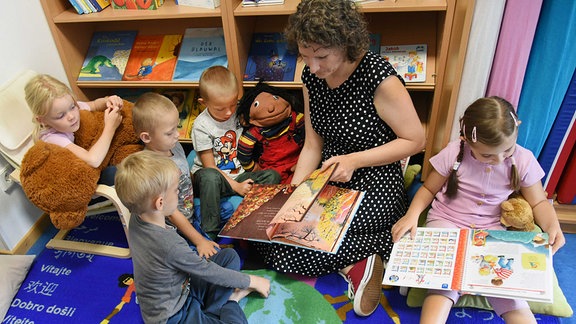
90, 6
460, 259
76, 6
96, 5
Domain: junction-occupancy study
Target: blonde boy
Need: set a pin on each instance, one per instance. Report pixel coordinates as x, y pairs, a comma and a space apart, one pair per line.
215, 134
155, 119
173, 283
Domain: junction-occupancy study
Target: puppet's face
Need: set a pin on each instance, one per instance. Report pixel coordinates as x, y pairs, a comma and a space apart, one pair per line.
268, 110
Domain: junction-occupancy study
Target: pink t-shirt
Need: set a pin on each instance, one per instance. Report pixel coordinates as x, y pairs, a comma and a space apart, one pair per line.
61, 139
481, 186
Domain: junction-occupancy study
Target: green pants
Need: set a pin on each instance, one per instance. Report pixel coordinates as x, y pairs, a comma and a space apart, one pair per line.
210, 185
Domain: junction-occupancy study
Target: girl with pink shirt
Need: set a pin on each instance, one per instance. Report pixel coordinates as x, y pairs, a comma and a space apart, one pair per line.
57, 116
470, 179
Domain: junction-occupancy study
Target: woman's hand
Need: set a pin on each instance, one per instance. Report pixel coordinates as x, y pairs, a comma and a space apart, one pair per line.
345, 169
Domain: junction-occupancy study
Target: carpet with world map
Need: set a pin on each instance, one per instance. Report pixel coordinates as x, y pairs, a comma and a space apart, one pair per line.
71, 287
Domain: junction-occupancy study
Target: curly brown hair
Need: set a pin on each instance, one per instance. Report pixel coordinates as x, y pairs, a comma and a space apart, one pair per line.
329, 23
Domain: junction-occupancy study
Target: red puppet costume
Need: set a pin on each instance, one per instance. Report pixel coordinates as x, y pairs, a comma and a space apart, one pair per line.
273, 130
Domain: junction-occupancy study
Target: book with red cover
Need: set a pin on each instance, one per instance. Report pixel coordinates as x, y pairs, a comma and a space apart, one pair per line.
153, 58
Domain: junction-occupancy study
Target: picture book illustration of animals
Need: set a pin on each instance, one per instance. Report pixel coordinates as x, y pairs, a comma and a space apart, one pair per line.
506, 264
201, 48
107, 56
269, 59
313, 215
153, 58
408, 60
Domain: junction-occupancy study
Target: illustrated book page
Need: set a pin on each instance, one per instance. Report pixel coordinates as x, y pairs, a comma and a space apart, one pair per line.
153, 58
313, 215
505, 264
269, 59
409, 61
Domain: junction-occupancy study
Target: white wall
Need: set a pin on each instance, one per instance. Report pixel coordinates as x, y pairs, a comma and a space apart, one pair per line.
27, 44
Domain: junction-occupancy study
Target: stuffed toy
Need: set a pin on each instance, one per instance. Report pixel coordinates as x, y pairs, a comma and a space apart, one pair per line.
273, 130
517, 214
60, 183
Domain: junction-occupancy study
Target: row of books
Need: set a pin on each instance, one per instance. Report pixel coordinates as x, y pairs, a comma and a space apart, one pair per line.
128, 56
89, 6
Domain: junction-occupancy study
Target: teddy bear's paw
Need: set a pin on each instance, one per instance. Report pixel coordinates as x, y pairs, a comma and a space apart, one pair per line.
66, 220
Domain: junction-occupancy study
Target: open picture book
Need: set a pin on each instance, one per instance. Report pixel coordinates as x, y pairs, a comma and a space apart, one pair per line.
313, 215
505, 264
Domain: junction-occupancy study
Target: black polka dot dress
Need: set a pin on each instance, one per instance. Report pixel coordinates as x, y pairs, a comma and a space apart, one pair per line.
345, 117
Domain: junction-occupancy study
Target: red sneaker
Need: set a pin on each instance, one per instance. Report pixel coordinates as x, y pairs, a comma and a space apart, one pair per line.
365, 284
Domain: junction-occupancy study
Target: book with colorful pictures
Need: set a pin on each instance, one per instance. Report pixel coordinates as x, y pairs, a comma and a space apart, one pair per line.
498, 263
408, 60
107, 56
153, 58
269, 59
201, 48
312, 215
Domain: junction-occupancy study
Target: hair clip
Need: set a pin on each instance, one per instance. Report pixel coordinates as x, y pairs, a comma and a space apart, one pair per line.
515, 119
456, 166
474, 138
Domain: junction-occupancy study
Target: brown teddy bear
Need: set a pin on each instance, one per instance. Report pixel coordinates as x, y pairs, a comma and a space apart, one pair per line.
60, 183
517, 214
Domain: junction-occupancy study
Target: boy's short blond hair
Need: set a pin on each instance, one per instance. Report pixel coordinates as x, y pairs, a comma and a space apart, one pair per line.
142, 177
148, 110
217, 81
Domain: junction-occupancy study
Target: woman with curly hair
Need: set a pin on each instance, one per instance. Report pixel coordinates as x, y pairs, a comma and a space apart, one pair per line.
357, 114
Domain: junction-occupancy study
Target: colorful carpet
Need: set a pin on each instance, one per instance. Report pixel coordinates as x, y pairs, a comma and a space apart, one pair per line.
69, 287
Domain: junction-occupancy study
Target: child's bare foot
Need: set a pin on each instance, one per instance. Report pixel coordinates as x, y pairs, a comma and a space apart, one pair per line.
238, 294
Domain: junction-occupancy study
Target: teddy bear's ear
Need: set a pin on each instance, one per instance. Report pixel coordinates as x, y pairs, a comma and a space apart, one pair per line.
34, 158
507, 206
67, 220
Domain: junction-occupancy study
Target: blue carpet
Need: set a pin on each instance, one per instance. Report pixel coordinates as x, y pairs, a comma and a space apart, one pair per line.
80, 287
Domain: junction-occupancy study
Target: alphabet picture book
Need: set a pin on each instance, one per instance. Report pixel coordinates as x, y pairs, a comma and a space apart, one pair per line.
313, 215
408, 60
107, 55
269, 59
153, 58
506, 264
201, 48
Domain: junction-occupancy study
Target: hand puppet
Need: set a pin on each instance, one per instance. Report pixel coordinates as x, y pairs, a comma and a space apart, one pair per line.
273, 130
60, 183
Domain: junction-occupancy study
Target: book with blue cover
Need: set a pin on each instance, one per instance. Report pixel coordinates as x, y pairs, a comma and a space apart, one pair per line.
269, 59
201, 48
107, 56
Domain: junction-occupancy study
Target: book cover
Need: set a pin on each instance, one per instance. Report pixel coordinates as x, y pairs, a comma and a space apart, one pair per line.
201, 48
208, 4
506, 264
76, 6
269, 59
408, 60
375, 43
254, 3
107, 56
313, 215
153, 58
137, 4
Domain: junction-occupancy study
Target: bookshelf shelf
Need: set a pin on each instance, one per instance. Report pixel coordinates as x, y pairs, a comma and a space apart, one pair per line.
399, 22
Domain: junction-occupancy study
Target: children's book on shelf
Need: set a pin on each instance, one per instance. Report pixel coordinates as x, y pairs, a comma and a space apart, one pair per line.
137, 4
201, 48
208, 4
269, 59
107, 56
312, 215
498, 263
408, 60
253, 3
188, 109
153, 58
375, 43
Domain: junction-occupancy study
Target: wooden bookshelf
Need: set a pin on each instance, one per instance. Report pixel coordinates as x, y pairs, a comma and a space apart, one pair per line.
441, 24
